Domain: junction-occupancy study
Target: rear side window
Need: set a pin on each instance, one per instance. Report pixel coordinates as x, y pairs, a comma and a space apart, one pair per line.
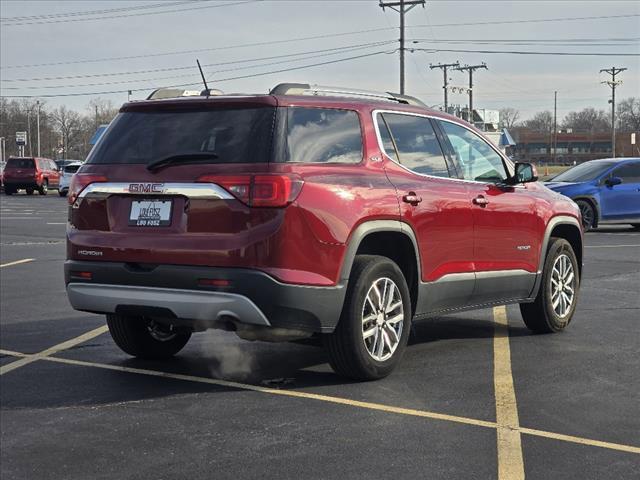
417, 145
322, 135
20, 163
238, 135
71, 168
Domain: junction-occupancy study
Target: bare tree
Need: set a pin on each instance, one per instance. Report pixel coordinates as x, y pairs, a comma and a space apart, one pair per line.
509, 117
102, 111
541, 122
68, 123
629, 115
588, 120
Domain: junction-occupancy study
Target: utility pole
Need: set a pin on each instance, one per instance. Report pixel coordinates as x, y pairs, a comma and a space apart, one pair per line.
29, 138
38, 126
555, 124
471, 69
613, 71
444, 67
401, 7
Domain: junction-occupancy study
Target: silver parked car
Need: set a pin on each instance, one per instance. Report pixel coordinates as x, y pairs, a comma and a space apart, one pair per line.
65, 177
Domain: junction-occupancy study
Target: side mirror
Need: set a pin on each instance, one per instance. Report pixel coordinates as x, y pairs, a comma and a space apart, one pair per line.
525, 173
610, 182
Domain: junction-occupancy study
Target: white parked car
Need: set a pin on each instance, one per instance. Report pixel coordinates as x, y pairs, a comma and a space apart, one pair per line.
65, 177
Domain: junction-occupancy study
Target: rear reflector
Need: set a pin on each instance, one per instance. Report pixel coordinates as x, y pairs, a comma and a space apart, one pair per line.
82, 275
259, 190
214, 282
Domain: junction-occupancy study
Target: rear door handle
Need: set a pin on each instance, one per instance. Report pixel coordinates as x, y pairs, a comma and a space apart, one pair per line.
412, 198
480, 200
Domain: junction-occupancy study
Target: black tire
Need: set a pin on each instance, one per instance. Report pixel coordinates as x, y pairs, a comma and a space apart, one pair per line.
540, 316
133, 336
44, 188
62, 193
30, 191
588, 214
9, 191
635, 226
346, 347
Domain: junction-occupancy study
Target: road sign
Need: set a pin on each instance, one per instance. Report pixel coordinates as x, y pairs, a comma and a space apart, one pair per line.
21, 138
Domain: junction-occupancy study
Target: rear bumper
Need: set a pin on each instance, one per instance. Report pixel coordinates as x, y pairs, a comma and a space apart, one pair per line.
174, 292
18, 184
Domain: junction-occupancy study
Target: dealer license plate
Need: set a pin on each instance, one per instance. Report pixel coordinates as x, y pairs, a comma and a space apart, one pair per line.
150, 213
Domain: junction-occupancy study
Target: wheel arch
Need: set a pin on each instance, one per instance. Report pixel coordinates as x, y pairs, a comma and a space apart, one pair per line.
568, 228
389, 238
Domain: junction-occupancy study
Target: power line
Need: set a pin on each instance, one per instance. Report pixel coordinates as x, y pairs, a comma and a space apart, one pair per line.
313, 37
98, 12
130, 81
215, 80
190, 67
178, 10
511, 52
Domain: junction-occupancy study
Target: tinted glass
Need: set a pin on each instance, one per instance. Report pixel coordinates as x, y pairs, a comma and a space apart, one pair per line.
418, 147
320, 135
629, 173
584, 172
20, 163
475, 158
71, 168
234, 135
385, 136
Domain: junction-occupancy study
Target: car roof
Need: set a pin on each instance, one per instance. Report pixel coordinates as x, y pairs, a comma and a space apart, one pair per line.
615, 160
246, 100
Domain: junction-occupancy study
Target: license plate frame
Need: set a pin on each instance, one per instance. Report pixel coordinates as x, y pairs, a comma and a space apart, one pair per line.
150, 213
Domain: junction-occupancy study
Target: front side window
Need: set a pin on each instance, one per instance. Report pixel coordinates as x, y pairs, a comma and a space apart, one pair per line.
629, 173
323, 135
417, 145
475, 158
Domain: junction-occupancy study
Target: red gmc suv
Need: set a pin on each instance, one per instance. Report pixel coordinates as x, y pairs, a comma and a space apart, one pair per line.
30, 173
310, 211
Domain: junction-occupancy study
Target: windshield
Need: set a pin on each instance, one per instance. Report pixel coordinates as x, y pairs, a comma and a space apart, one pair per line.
20, 163
241, 135
583, 172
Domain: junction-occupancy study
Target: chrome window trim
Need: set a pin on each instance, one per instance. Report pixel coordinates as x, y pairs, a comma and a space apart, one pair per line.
374, 114
190, 190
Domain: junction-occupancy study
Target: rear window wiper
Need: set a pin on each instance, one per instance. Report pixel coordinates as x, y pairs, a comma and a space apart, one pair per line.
194, 157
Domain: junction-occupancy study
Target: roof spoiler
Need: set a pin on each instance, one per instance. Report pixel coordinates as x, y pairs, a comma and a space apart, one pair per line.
306, 89
161, 93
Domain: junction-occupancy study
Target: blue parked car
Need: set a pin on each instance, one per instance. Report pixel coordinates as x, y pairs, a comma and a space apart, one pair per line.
607, 191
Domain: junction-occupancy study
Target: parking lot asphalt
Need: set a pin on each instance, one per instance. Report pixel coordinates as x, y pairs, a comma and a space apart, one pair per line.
471, 399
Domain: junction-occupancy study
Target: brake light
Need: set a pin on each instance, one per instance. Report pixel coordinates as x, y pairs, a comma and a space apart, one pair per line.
79, 182
259, 190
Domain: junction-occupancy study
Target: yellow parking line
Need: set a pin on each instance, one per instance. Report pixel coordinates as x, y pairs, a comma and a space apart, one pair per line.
17, 262
330, 399
55, 349
510, 462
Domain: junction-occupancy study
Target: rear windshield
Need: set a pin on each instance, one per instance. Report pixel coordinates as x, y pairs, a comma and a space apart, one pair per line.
71, 168
241, 135
583, 172
20, 163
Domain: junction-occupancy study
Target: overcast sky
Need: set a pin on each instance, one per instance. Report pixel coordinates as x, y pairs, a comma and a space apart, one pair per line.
525, 82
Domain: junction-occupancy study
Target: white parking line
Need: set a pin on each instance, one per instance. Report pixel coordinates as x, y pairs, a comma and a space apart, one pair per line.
17, 262
56, 223
612, 246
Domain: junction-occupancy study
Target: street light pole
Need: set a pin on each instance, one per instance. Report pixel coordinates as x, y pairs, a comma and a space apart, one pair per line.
38, 122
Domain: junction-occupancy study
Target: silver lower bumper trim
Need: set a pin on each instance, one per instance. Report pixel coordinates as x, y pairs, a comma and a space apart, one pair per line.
185, 304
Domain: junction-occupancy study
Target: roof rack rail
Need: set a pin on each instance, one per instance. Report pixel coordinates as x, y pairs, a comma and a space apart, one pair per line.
161, 93
306, 89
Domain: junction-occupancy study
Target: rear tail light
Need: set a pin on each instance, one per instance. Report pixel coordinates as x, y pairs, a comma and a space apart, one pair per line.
259, 190
79, 182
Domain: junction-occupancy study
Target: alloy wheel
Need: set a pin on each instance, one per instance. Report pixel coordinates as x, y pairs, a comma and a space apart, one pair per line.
382, 319
563, 285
